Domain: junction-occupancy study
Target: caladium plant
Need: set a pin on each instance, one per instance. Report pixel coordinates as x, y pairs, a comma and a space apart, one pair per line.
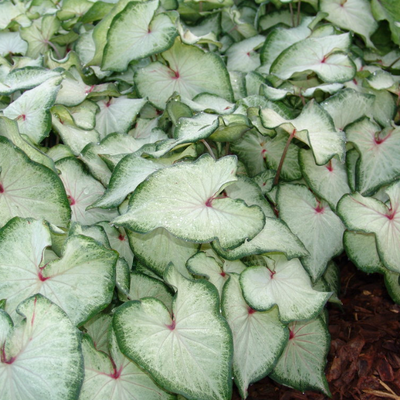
176, 179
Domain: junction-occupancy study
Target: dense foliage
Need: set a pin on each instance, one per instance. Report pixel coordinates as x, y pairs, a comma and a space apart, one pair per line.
176, 179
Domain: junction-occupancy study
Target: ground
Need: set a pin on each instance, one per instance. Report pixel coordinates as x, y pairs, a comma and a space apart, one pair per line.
364, 357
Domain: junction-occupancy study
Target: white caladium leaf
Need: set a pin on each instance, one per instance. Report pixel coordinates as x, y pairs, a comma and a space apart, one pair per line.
274, 237
285, 284
326, 56
366, 214
142, 286
329, 182
242, 56
302, 362
189, 353
117, 114
26, 78
82, 190
378, 163
32, 110
159, 248
190, 71
347, 106
74, 137
59, 280
255, 353
279, 40
127, 175
42, 341
314, 126
28, 189
189, 207
84, 114
6, 326
136, 33
314, 223
352, 15
11, 42
97, 328
381, 79
115, 377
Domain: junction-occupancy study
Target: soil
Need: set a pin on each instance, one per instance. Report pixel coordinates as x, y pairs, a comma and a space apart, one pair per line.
364, 357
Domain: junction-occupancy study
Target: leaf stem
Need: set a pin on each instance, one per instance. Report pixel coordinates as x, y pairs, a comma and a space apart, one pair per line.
55, 49
285, 150
291, 13
208, 147
298, 12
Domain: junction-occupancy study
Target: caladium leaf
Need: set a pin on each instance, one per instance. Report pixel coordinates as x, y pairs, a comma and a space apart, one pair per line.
283, 283
117, 114
189, 207
326, 56
189, 353
11, 42
82, 190
142, 286
378, 163
32, 110
19, 192
314, 126
128, 174
190, 71
366, 214
255, 353
159, 248
97, 328
115, 376
329, 181
352, 15
347, 105
314, 223
302, 362
43, 340
60, 280
136, 33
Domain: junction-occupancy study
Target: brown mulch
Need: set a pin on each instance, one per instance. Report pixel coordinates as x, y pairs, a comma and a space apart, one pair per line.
364, 358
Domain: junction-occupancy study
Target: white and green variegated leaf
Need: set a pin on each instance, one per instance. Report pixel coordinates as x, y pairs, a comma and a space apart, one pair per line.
326, 56
114, 376
189, 207
42, 341
302, 362
274, 237
6, 326
28, 189
31, 110
96, 232
97, 328
189, 353
11, 42
142, 286
202, 265
329, 182
314, 126
190, 71
127, 175
366, 214
159, 248
26, 78
118, 241
285, 284
84, 114
117, 114
347, 106
74, 137
59, 280
279, 40
242, 56
378, 163
255, 352
9, 129
314, 223
212, 102
82, 190
136, 33
361, 250
352, 15
381, 79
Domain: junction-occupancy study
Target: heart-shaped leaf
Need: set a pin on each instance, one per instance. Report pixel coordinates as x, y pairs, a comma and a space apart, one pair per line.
189, 207
189, 353
43, 340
